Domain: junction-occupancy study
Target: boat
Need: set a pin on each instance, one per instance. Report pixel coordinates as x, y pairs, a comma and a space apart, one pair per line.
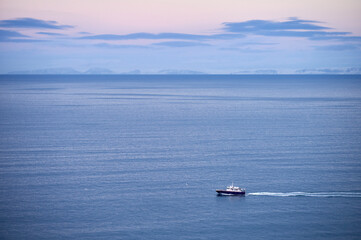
232, 190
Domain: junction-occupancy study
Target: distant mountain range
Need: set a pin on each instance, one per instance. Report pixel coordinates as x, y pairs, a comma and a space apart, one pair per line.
100, 71
261, 71
174, 71
64, 71
103, 71
330, 71
136, 71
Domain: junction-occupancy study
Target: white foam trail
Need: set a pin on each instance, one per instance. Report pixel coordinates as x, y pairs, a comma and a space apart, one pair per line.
308, 194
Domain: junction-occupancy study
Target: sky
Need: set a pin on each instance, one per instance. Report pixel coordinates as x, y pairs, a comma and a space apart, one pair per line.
210, 36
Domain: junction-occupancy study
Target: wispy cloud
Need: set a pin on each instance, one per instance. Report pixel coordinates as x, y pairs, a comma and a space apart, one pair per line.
181, 44
233, 32
160, 36
340, 47
258, 43
305, 34
6, 34
293, 27
32, 23
244, 50
50, 34
26, 40
337, 38
13, 36
84, 33
265, 25
115, 46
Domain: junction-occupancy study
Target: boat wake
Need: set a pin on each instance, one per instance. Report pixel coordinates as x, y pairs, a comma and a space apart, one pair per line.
308, 194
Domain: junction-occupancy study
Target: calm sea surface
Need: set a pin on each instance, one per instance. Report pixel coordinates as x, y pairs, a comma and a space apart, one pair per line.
140, 157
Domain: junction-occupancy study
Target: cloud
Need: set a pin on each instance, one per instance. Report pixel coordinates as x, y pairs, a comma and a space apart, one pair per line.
341, 47
135, 36
338, 38
32, 23
306, 34
293, 27
116, 46
160, 36
265, 25
257, 30
16, 37
50, 34
165, 44
84, 33
25, 40
181, 44
258, 44
6, 34
245, 50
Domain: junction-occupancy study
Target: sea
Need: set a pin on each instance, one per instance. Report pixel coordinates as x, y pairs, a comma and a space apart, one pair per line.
140, 156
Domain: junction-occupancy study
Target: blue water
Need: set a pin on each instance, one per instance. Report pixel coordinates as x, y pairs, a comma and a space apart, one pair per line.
140, 157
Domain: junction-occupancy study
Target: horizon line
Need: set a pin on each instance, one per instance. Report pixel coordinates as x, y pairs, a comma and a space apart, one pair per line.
167, 74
